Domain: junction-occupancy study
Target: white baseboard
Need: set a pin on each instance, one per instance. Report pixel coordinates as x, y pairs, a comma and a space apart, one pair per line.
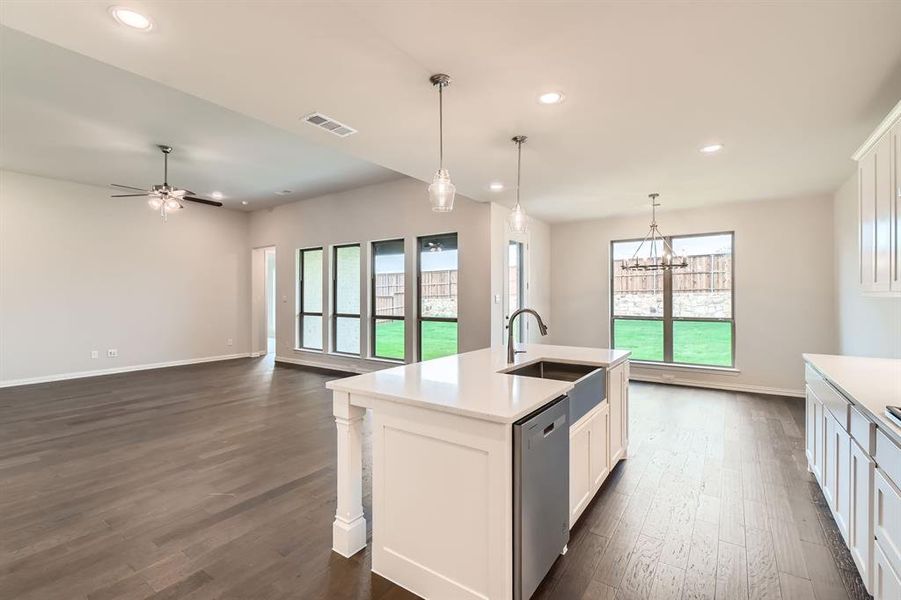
716, 385
357, 367
115, 370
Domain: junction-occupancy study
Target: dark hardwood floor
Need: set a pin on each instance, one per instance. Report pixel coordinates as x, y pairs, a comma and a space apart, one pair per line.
217, 481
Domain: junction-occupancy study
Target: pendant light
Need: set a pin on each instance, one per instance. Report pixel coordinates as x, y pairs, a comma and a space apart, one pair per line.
441, 192
518, 220
653, 259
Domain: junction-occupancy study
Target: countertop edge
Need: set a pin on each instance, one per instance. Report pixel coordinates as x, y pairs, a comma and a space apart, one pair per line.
335, 386
881, 421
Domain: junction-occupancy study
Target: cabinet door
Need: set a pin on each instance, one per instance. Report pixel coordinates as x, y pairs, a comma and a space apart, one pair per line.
886, 584
842, 482
830, 457
895, 283
866, 181
579, 469
885, 195
810, 427
819, 440
615, 401
600, 459
887, 518
860, 525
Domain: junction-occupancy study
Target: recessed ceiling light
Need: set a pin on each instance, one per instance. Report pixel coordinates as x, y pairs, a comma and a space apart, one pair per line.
551, 98
496, 186
244, 202
217, 196
131, 18
710, 149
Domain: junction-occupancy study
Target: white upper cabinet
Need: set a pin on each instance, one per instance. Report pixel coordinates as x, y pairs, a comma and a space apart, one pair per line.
895, 284
879, 208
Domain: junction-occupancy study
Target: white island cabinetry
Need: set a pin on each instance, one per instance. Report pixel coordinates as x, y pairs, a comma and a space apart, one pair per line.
442, 464
854, 452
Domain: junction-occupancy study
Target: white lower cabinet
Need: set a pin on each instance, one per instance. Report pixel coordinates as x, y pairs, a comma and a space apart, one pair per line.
579, 468
860, 525
617, 399
600, 451
858, 468
589, 461
886, 583
887, 518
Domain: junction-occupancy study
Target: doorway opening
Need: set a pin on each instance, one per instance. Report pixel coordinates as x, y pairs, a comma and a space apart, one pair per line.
264, 302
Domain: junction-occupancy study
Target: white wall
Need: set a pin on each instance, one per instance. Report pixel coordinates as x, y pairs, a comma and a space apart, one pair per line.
867, 326
396, 209
784, 298
81, 271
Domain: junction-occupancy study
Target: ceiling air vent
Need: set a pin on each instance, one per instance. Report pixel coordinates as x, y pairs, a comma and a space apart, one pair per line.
329, 124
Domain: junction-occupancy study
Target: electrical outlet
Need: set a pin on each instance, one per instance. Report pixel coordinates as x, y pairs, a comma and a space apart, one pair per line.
228, 342
95, 354
112, 353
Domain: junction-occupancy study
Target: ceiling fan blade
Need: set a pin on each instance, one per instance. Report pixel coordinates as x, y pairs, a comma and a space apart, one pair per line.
202, 201
128, 195
128, 187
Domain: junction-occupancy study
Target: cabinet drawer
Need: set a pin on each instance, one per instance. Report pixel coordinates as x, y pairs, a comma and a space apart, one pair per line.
863, 431
829, 396
886, 584
888, 458
887, 519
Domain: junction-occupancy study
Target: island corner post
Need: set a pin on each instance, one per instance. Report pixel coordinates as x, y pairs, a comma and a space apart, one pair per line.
349, 527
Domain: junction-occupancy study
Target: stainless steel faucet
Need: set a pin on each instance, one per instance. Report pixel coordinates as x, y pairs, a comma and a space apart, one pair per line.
511, 353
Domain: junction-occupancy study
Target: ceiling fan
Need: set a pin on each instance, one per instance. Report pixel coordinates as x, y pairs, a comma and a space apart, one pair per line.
164, 197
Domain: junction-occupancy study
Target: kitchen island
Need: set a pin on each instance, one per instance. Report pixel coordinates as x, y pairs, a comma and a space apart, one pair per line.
442, 462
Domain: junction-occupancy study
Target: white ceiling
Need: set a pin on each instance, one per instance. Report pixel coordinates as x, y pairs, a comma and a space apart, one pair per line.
791, 88
67, 116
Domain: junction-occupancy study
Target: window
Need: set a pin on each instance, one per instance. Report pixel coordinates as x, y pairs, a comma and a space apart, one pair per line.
388, 299
437, 296
346, 298
309, 294
516, 286
683, 316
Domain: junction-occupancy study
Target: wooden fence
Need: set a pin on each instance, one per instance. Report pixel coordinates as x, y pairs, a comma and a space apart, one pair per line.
704, 273
389, 289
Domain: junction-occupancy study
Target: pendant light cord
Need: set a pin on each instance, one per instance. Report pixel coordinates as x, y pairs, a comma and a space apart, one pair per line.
440, 125
518, 168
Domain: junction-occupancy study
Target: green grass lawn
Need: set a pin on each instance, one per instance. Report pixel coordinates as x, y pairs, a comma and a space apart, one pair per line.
694, 342
438, 339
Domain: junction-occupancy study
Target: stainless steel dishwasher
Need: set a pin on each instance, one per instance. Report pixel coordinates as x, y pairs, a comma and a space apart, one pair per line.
540, 494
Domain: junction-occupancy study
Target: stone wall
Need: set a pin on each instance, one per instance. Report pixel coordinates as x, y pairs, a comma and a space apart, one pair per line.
714, 305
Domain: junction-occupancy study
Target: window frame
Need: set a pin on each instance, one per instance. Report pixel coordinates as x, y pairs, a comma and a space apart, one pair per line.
374, 312
520, 332
335, 315
301, 313
668, 319
421, 319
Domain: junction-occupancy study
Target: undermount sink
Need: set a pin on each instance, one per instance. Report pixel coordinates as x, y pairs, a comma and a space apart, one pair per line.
553, 370
589, 391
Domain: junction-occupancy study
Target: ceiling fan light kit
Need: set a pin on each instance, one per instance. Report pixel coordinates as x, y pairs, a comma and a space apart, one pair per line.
163, 197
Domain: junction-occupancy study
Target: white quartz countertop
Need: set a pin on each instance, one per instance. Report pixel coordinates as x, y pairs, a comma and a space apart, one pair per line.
473, 384
871, 383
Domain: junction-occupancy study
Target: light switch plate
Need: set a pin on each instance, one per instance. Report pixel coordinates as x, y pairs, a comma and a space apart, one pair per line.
112, 353
95, 354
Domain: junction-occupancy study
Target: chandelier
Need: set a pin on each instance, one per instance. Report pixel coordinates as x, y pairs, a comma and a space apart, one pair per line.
659, 256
